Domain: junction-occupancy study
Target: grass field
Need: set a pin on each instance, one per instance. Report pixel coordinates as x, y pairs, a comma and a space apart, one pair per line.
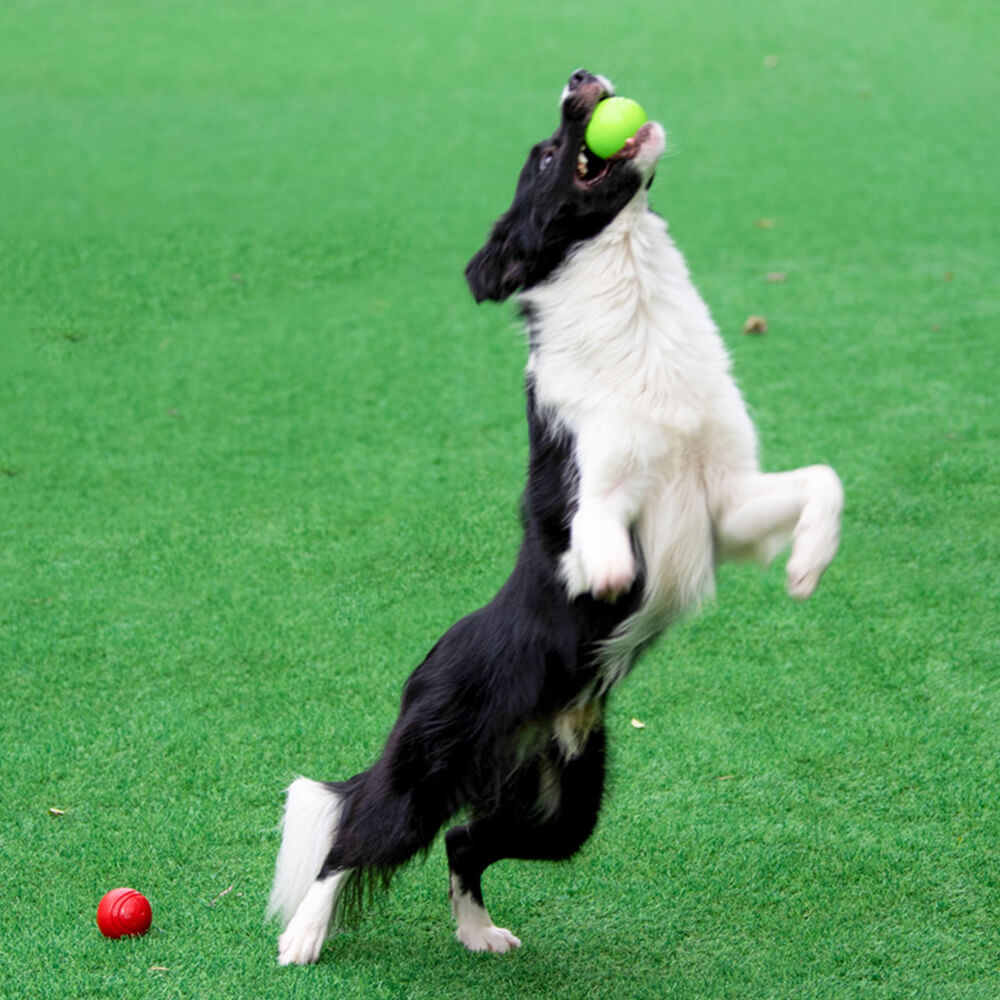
258, 448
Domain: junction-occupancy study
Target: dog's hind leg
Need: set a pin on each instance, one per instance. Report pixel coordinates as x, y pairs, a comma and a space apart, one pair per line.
301, 895
338, 840
474, 928
303, 938
550, 818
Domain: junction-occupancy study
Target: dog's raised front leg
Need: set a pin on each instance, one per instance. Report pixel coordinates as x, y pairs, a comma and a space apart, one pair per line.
600, 559
759, 513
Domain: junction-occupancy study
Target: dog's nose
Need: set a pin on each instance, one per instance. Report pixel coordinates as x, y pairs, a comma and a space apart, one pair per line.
581, 76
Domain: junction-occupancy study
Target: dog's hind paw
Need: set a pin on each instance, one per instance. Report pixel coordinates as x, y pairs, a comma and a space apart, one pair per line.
474, 928
300, 945
497, 940
303, 938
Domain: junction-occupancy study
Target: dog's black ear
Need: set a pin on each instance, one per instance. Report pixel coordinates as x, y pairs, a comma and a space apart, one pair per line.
499, 268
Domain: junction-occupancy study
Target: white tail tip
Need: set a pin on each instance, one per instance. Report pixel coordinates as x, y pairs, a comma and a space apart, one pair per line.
309, 826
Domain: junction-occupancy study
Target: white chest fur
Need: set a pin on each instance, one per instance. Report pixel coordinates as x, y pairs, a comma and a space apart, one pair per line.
626, 357
621, 325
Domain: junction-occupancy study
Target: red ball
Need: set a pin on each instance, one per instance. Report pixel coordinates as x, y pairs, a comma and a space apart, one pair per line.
124, 912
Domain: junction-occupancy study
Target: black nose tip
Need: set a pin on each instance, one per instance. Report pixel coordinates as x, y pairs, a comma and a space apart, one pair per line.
579, 77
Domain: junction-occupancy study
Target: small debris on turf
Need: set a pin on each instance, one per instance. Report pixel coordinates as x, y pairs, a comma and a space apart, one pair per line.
223, 894
53, 811
776, 277
755, 324
636, 724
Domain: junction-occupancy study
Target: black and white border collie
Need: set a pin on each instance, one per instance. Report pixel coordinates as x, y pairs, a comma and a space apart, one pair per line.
643, 476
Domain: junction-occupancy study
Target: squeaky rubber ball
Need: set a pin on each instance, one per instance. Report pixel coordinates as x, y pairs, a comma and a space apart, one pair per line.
124, 912
615, 120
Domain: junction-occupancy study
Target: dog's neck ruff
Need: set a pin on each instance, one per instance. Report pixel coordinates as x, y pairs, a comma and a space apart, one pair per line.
620, 327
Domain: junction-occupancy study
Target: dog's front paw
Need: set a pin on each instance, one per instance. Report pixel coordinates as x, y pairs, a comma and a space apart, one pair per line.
600, 560
612, 577
817, 533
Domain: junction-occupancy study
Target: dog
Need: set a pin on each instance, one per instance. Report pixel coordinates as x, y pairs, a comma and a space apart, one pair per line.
642, 476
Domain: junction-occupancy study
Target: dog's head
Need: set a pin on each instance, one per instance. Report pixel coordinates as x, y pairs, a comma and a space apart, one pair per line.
565, 195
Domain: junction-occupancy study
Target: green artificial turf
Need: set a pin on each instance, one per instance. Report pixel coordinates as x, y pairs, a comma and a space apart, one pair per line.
258, 449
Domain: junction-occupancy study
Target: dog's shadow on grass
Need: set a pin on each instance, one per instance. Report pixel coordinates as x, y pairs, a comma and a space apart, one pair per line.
577, 942
426, 959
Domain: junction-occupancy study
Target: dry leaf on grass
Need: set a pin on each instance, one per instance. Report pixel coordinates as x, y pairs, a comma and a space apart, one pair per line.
755, 324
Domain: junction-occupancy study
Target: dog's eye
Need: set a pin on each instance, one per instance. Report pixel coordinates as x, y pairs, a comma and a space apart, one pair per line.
547, 158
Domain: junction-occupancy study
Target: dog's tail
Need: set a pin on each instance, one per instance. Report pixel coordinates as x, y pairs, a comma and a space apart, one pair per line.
309, 829
361, 830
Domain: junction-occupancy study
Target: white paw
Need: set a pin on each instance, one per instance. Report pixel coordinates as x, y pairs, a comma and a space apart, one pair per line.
300, 945
612, 576
812, 551
817, 534
306, 931
497, 940
802, 583
600, 559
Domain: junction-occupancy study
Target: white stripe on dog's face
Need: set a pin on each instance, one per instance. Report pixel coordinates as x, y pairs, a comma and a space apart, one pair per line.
608, 86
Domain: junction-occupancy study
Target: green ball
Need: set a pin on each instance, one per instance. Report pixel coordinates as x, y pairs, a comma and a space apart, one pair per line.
614, 120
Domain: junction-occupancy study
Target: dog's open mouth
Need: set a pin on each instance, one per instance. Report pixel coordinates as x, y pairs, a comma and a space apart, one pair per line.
591, 169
